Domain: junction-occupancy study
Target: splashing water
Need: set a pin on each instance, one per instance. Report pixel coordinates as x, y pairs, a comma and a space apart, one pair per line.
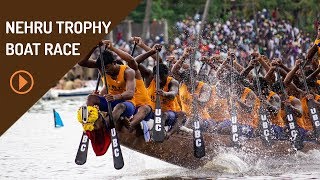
33, 148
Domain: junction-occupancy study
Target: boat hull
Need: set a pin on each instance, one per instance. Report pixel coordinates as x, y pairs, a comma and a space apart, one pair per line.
178, 149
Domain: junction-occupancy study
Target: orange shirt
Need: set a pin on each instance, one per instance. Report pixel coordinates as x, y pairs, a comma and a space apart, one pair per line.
116, 86
300, 121
141, 96
166, 103
218, 107
317, 97
186, 100
248, 118
277, 119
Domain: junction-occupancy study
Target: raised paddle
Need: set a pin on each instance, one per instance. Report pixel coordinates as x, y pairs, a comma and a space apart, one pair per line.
295, 136
313, 110
198, 142
234, 120
264, 121
134, 48
81, 156
116, 149
158, 127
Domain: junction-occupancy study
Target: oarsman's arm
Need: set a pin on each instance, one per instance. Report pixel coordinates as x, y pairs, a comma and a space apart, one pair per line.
293, 90
142, 45
171, 61
296, 107
149, 53
177, 66
262, 60
310, 97
123, 55
129, 76
103, 91
204, 95
221, 69
86, 61
173, 90
284, 67
214, 62
146, 73
313, 50
238, 66
244, 73
274, 104
270, 75
130, 85
249, 103
291, 74
314, 75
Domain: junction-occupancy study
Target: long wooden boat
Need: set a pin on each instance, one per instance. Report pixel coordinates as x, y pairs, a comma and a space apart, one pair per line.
178, 149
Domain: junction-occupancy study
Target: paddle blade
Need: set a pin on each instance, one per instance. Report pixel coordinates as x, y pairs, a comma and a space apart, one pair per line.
234, 129
116, 150
158, 128
198, 142
265, 128
81, 157
294, 133
314, 117
57, 119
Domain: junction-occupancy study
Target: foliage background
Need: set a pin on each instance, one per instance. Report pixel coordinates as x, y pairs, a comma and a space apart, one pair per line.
300, 13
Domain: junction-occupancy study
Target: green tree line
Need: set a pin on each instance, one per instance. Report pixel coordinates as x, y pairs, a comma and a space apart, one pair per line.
301, 13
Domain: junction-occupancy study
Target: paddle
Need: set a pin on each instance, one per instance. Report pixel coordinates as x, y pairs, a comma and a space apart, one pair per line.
264, 121
158, 127
198, 142
313, 110
116, 150
295, 136
134, 48
81, 156
234, 120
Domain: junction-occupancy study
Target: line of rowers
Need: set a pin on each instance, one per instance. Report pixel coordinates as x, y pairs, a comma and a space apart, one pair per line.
132, 92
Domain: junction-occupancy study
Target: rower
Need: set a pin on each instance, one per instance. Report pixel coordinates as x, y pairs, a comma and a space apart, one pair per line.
201, 94
171, 115
247, 103
121, 84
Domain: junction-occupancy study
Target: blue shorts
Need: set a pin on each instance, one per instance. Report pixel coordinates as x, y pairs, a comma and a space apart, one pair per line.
208, 123
130, 109
279, 132
172, 118
246, 130
148, 116
224, 124
303, 134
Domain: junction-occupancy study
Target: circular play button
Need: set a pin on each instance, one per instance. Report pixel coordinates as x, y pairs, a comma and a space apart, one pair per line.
21, 82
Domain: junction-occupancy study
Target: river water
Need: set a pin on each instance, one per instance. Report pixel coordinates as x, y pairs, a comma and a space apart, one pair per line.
34, 149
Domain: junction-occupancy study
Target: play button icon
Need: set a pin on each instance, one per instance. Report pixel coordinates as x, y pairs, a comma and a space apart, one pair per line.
21, 82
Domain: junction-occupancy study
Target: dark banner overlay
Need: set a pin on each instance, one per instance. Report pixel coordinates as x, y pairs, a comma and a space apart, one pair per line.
31, 60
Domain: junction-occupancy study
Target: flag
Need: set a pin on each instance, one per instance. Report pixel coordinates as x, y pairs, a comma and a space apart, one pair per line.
57, 119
